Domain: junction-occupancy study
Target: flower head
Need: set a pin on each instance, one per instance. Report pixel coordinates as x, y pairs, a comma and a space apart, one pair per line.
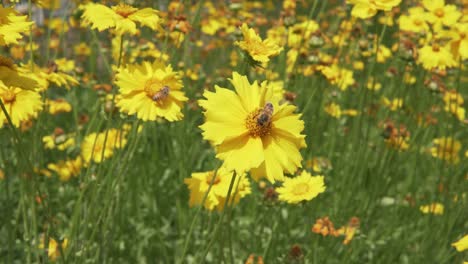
441, 14
304, 187
11, 26
252, 131
260, 50
97, 147
446, 148
20, 104
368, 8
122, 17
53, 249
200, 182
150, 91
434, 208
462, 244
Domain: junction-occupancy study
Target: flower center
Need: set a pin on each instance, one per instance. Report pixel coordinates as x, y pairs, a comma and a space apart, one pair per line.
435, 48
418, 22
300, 189
439, 12
156, 90
7, 62
216, 180
8, 96
124, 10
258, 122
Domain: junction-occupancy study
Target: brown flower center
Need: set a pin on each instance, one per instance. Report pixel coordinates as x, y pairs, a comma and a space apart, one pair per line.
7, 62
418, 22
216, 180
258, 122
435, 48
8, 96
124, 10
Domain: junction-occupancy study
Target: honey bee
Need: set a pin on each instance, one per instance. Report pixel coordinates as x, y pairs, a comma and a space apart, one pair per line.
162, 94
52, 67
264, 117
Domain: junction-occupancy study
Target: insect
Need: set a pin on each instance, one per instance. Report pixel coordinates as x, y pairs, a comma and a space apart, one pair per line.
52, 67
162, 94
264, 117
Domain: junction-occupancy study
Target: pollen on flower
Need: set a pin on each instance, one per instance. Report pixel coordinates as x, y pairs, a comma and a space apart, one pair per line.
301, 188
256, 128
156, 90
124, 10
439, 12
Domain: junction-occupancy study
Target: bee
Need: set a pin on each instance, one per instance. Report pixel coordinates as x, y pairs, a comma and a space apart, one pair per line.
264, 118
162, 94
52, 67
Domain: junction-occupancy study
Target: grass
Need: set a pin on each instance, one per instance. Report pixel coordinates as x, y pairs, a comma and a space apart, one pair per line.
133, 207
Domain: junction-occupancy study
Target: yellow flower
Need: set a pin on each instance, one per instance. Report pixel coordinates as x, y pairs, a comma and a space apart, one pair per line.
304, 187
59, 141
341, 77
122, 17
434, 208
93, 145
415, 21
82, 49
400, 143
20, 104
446, 148
333, 110
150, 91
11, 26
393, 104
251, 131
53, 250
459, 40
200, 182
368, 8
441, 14
48, 4
260, 50
58, 106
435, 56
300, 33
66, 169
462, 244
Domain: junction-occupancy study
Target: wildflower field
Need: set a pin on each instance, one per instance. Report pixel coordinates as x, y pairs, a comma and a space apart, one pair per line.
295, 131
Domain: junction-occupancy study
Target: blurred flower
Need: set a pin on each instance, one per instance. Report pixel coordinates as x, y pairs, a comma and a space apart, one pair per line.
415, 21
59, 140
260, 50
251, 259
150, 90
53, 249
93, 148
459, 40
304, 187
200, 182
434, 208
66, 169
20, 104
82, 49
11, 26
122, 17
300, 33
341, 77
446, 148
461, 244
368, 8
58, 106
350, 230
325, 227
251, 131
393, 104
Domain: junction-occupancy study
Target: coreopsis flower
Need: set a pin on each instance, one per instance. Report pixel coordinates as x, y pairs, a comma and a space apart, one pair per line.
53, 250
435, 56
200, 182
94, 146
461, 244
304, 187
341, 77
433, 208
259, 50
58, 106
122, 17
440, 14
59, 140
66, 169
150, 90
251, 131
393, 104
368, 8
299, 33
446, 148
21, 105
319, 164
12, 26
82, 49
415, 21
